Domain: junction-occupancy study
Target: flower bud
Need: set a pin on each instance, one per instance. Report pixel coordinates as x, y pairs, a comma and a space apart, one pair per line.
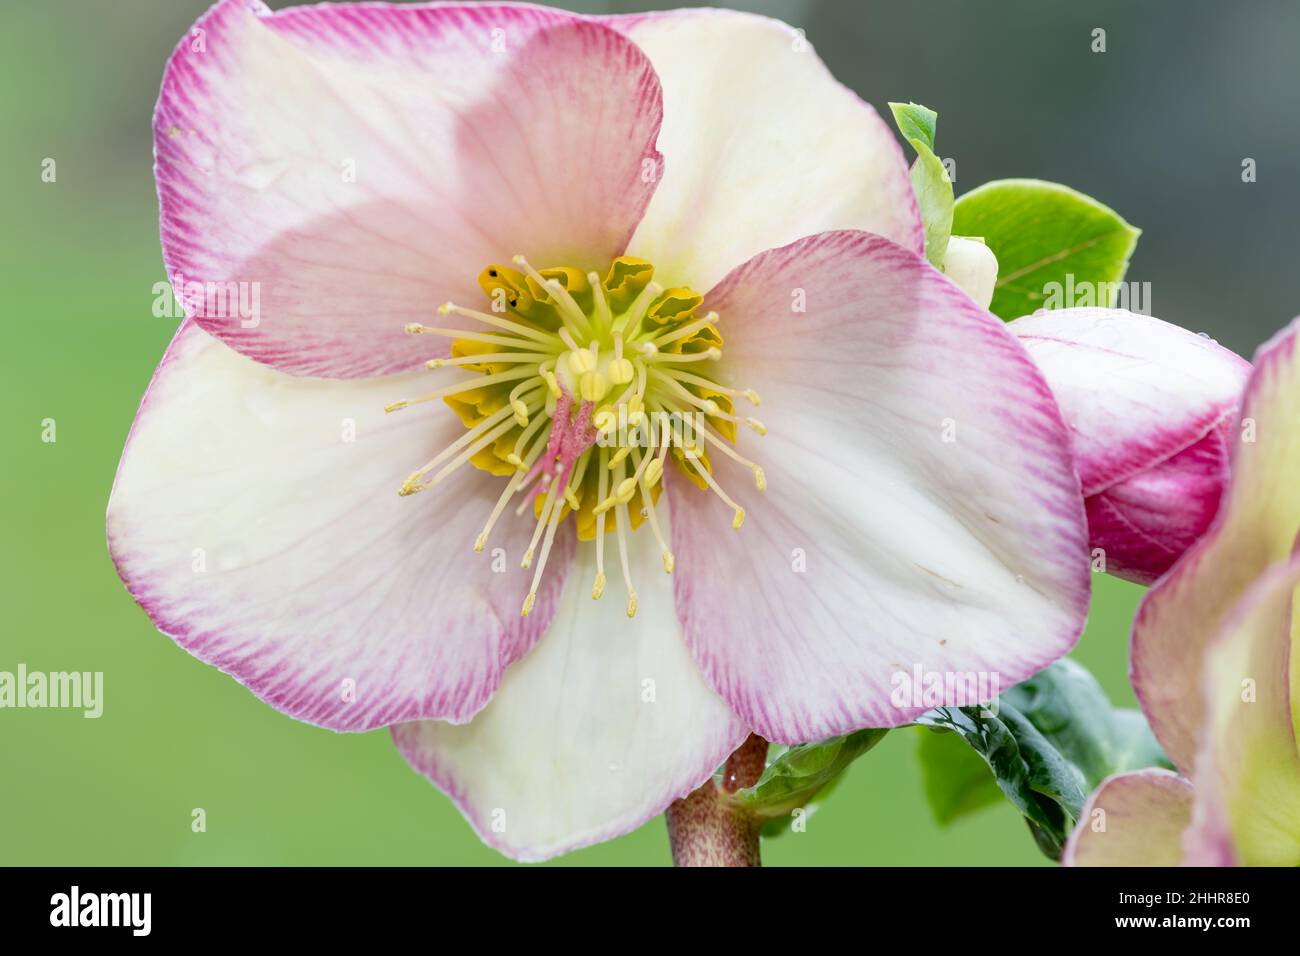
973, 266
1151, 410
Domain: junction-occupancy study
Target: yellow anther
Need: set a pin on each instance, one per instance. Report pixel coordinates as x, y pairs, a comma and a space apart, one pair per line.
621, 371
582, 361
592, 387
619, 343
653, 472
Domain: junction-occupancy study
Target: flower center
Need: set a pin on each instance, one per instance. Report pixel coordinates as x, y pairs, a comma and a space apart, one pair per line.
583, 389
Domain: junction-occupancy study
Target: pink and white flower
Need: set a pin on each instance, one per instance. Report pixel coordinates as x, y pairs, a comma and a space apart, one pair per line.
1150, 408
913, 499
1214, 665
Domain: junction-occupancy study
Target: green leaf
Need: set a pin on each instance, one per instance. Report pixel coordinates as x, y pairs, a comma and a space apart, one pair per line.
916, 122
1069, 707
794, 778
1041, 233
1032, 775
955, 779
930, 179
1049, 742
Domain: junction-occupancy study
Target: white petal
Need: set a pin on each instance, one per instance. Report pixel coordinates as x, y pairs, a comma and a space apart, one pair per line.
762, 146
603, 725
256, 519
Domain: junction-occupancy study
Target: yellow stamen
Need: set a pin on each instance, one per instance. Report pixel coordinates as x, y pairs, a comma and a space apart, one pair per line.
630, 321
602, 484
739, 517
562, 373
568, 310
603, 317
710, 354
685, 331
495, 358
484, 337
508, 325
481, 382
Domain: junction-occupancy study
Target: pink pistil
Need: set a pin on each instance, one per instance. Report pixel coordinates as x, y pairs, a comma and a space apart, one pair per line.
569, 438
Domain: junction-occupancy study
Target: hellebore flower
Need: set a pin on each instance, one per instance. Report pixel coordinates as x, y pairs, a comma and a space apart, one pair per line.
912, 501
1150, 408
1214, 665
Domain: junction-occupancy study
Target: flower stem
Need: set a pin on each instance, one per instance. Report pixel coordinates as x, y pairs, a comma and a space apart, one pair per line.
704, 829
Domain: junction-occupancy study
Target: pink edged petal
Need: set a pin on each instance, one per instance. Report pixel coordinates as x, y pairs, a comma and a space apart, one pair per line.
349, 167
256, 519
1256, 527
763, 146
1135, 391
1248, 767
603, 725
1132, 819
921, 508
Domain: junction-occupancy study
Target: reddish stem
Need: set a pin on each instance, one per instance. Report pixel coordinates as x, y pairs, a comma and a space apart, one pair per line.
704, 829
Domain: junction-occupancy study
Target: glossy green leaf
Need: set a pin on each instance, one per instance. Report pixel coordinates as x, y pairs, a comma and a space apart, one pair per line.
1069, 707
1055, 247
1049, 742
955, 778
795, 777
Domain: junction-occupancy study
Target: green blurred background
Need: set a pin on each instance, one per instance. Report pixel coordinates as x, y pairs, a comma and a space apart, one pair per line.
1157, 127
